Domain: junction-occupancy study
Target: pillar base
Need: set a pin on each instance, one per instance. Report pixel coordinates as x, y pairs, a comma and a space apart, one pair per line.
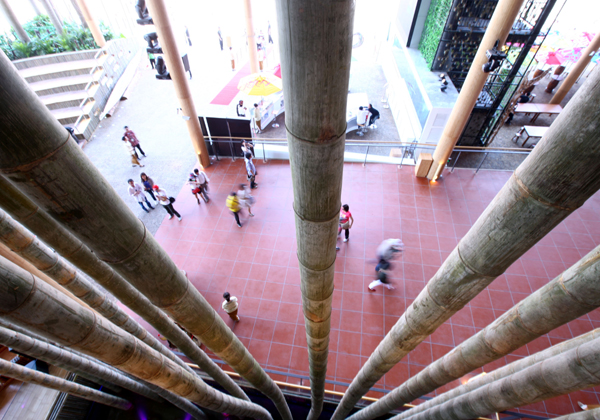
435, 171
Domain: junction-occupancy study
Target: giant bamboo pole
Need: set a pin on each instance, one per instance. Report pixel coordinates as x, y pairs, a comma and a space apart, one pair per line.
86, 362
69, 361
25, 244
566, 372
315, 47
576, 70
35, 146
54, 18
569, 296
46, 228
32, 304
91, 22
584, 415
555, 179
497, 30
12, 370
162, 23
502, 373
14, 21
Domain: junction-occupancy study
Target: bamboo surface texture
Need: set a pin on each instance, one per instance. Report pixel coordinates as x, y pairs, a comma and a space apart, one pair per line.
12, 370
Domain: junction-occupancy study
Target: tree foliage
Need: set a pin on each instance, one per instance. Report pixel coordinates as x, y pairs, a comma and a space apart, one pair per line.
433, 29
45, 40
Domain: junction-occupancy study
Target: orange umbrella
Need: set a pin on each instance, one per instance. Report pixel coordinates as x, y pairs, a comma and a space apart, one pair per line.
260, 84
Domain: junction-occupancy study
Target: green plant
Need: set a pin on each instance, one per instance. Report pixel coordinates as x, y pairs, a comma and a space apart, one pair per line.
45, 40
433, 29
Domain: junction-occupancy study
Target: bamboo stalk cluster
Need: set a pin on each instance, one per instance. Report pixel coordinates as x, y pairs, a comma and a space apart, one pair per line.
58, 189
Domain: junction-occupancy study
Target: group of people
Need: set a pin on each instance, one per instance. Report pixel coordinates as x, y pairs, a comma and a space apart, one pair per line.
367, 116
159, 195
241, 112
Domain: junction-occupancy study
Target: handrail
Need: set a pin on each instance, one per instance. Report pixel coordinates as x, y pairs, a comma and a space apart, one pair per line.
307, 388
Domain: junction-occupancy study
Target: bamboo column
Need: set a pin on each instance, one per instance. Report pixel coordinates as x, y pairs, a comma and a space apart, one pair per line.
576, 70
34, 305
555, 179
24, 244
53, 16
502, 372
251, 37
70, 361
91, 23
14, 21
500, 25
158, 11
35, 7
79, 13
315, 47
569, 296
584, 415
35, 145
12, 370
573, 370
78, 254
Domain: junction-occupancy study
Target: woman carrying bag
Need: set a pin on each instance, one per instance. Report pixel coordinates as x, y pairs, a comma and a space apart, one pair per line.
346, 221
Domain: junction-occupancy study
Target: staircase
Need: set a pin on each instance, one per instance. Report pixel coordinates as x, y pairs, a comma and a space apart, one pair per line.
75, 86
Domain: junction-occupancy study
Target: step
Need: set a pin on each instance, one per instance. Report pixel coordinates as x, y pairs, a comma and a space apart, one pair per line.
60, 67
82, 79
76, 95
65, 113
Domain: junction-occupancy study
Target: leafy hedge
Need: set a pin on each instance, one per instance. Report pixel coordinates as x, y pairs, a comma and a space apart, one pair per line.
433, 28
45, 40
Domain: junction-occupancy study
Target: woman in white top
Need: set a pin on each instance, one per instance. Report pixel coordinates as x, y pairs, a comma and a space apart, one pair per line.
245, 198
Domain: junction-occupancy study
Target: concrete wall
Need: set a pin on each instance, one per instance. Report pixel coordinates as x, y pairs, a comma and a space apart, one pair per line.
411, 15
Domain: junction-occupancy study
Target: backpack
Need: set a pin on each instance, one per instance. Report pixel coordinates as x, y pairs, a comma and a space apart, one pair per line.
233, 203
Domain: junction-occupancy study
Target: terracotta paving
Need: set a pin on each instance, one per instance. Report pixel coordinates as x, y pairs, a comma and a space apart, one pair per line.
257, 263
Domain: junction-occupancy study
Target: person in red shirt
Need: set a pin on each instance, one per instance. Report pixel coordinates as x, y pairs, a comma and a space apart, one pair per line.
133, 140
346, 221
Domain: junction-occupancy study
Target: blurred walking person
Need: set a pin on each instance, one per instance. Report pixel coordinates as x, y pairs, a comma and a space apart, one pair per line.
233, 204
245, 198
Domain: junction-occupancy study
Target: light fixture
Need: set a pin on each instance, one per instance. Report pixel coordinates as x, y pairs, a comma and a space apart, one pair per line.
495, 58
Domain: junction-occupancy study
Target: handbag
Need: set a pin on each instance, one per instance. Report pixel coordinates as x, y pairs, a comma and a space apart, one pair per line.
345, 225
196, 190
171, 200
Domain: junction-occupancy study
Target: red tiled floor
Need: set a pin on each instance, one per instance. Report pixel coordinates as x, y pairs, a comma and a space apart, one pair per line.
258, 264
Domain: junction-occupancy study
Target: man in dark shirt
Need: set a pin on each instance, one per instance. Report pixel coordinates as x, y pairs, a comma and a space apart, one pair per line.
374, 115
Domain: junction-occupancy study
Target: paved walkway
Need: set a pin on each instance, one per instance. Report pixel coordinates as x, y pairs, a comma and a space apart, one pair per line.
257, 263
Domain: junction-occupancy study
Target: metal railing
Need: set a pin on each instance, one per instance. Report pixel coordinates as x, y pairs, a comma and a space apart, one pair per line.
406, 150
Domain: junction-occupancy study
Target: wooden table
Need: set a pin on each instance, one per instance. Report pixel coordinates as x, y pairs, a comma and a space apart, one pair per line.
537, 109
533, 131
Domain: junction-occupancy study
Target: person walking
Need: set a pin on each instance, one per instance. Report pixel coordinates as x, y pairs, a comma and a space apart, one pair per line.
152, 59
166, 201
389, 249
220, 38
147, 183
245, 198
203, 180
136, 191
130, 135
134, 159
232, 58
233, 204
346, 221
195, 185
250, 170
269, 32
382, 271
230, 305
257, 118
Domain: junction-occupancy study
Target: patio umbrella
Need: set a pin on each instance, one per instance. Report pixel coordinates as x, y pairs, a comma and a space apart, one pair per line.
260, 84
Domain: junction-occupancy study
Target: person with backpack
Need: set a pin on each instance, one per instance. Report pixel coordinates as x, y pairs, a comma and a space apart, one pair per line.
233, 204
166, 202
